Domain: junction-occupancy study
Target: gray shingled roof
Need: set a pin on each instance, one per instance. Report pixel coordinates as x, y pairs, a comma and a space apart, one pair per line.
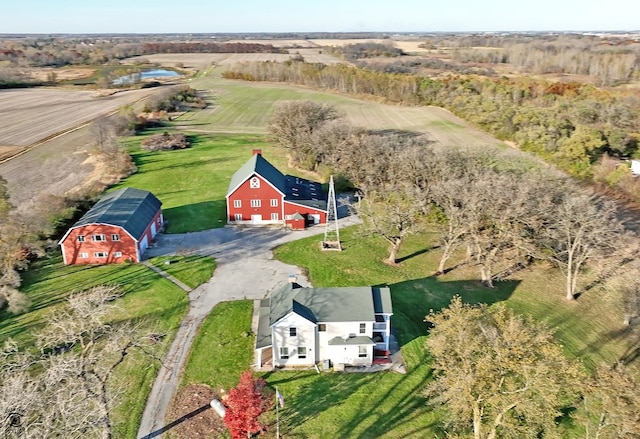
346, 304
129, 208
351, 341
258, 165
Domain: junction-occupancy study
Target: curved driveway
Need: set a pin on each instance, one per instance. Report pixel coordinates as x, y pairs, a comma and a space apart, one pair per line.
245, 270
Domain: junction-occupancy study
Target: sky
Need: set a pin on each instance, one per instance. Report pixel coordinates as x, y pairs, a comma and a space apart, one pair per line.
211, 16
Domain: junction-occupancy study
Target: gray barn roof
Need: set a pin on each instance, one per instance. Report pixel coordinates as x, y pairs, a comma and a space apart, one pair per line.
129, 208
258, 165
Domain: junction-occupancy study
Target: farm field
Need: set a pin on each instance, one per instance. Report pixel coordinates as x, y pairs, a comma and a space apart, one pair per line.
201, 61
30, 115
234, 107
241, 106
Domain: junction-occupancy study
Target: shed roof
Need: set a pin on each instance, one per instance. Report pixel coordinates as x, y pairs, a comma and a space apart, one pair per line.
129, 208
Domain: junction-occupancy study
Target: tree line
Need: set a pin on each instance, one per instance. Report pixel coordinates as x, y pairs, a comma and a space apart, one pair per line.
502, 208
571, 125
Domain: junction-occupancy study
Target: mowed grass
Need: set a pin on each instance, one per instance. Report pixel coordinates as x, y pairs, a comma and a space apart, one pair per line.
149, 300
192, 183
246, 107
191, 270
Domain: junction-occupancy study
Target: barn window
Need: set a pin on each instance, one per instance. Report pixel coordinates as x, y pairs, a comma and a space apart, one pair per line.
98, 238
115, 237
288, 217
100, 254
117, 254
302, 352
237, 203
274, 202
274, 216
255, 203
254, 183
80, 238
284, 353
363, 328
84, 255
293, 332
238, 217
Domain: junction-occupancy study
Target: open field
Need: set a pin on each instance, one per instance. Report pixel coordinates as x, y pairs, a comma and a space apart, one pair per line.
200, 61
240, 106
30, 115
58, 165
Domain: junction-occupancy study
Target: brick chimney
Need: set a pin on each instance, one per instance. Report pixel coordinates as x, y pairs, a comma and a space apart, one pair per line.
257, 151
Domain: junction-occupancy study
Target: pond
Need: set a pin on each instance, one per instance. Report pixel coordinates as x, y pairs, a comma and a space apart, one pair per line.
144, 74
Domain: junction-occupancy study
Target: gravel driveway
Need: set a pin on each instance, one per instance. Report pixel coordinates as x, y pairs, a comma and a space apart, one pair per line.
245, 270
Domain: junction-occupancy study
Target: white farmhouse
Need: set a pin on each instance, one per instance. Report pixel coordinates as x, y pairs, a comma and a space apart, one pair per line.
304, 326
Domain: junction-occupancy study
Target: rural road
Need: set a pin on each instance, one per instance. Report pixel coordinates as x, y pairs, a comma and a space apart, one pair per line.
245, 270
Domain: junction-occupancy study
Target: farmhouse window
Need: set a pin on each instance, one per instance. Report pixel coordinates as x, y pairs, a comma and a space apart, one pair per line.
254, 183
117, 254
237, 203
98, 238
377, 337
362, 351
293, 332
363, 328
288, 217
302, 352
379, 318
238, 217
274, 202
274, 216
284, 353
322, 327
80, 238
84, 255
255, 203
115, 237
100, 254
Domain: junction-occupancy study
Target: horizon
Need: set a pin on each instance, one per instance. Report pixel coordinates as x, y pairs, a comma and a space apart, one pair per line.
75, 17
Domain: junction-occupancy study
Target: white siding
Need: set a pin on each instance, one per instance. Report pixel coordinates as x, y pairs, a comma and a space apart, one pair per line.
305, 336
339, 329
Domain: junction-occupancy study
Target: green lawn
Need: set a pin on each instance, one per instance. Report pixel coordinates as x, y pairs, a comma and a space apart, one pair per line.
190, 270
192, 183
157, 304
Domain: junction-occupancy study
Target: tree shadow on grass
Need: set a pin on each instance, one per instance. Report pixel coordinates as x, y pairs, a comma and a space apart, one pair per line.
413, 300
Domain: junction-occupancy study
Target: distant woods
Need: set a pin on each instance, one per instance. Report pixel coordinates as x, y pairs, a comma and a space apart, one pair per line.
572, 125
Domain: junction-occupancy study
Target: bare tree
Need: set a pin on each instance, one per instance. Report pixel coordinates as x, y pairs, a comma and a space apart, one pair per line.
68, 388
581, 228
294, 122
393, 213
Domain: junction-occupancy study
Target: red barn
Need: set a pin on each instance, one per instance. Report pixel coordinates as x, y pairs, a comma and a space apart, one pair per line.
118, 228
260, 194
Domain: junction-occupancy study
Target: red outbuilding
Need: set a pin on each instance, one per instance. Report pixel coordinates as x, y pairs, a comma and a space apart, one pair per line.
117, 229
260, 194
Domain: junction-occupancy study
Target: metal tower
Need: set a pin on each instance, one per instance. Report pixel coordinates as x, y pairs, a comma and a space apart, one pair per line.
331, 232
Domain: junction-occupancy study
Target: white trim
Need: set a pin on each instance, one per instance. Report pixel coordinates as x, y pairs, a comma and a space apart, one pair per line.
248, 178
64, 254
